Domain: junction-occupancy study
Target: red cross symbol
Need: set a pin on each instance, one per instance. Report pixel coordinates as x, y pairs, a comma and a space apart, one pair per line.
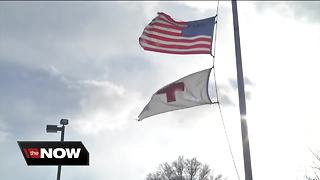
170, 90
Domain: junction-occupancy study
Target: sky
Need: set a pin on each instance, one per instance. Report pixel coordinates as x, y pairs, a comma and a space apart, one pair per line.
82, 61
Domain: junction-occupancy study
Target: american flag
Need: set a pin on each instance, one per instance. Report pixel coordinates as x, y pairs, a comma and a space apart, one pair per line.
164, 34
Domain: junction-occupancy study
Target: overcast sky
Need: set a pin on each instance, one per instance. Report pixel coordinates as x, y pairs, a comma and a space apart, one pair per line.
82, 61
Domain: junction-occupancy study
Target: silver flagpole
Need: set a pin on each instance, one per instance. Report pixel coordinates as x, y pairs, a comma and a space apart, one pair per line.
241, 93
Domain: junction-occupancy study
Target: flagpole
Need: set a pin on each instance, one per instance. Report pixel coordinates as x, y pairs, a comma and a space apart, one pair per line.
241, 93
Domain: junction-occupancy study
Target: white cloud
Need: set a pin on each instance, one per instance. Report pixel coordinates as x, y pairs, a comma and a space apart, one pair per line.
98, 75
108, 106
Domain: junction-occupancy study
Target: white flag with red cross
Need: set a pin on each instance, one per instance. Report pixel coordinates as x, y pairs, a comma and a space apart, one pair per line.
189, 91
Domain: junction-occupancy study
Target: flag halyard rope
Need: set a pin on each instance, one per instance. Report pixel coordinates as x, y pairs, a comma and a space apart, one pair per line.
215, 35
223, 123
216, 91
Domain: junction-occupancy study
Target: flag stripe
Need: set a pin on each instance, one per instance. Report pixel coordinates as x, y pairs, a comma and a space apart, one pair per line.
175, 51
152, 29
177, 40
174, 43
164, 34
160, 21
177, 37
169, 19
167, 29
175, 46
163, 24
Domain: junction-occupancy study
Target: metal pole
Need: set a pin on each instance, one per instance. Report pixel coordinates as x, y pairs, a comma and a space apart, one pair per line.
241, 93
62, 133
59, 166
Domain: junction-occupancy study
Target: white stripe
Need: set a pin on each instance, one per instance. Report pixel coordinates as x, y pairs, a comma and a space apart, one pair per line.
161, 22
164, 28
176, 37
174, 43
143, 44
171, 22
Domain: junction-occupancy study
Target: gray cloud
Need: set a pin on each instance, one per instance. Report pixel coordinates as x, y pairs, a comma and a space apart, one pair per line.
303, 10
82, 61
30, 96
43, 57
78, 39
226, 90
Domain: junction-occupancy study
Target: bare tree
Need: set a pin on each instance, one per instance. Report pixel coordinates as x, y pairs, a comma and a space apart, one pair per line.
315, 167
184, 169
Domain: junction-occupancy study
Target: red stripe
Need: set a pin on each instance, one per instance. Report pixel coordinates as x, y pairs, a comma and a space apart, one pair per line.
171, 22
176, 52
164, 32
166, 26
176, 40
169, 18
175, 46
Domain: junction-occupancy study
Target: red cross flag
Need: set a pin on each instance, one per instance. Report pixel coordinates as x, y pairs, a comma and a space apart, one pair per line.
186, 92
